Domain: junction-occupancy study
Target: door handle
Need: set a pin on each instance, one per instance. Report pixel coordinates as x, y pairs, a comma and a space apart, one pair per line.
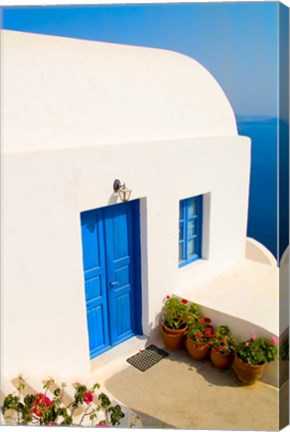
112, 284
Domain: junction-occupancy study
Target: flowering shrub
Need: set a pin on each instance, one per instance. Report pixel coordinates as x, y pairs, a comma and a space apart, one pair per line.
40, 404
257, 351
284, 349
223, 342
201, 331
40, 409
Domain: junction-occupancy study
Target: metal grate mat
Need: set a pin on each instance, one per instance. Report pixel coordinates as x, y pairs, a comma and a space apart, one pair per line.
147, 358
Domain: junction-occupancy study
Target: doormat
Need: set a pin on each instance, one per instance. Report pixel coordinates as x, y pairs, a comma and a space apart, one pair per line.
147, 358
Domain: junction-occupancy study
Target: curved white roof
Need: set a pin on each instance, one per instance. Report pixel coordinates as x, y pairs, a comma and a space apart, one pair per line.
59, 92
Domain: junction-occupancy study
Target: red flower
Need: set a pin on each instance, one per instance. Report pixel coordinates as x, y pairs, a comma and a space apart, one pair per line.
184, 301
51, 424
41, 402
88, 397
199, 335
218, 348
168, 297
205, 320
102, 425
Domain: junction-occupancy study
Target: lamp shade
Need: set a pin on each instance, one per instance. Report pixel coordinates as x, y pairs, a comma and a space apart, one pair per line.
124, 193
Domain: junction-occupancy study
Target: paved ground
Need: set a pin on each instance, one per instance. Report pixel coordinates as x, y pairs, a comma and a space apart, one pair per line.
181, 393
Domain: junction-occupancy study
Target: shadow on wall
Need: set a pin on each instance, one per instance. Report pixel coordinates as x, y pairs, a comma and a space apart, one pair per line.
154, 328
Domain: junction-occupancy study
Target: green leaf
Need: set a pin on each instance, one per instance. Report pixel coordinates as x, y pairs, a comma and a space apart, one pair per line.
56, 392
67, 420
29, 399
105, 401
96, 386
116, 414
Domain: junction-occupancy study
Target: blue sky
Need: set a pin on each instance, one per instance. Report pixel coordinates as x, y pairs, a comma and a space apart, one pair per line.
236, 42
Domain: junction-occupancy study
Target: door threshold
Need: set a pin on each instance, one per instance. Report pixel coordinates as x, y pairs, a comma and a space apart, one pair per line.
119, 353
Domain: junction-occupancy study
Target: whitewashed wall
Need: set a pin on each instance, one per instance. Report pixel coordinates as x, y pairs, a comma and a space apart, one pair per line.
77, 115
43, 306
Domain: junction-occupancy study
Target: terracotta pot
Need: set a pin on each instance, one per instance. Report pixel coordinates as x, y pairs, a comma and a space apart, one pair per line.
220, 360
173, 339
246, 373
197, 350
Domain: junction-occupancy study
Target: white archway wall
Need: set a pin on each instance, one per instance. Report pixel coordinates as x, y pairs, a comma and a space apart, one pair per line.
256, 251
60, 93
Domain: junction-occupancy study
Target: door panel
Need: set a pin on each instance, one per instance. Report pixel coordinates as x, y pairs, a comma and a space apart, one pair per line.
111, 266
95, 281
98, 333
119, 260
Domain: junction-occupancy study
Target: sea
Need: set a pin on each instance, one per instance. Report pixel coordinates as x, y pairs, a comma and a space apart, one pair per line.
268, 214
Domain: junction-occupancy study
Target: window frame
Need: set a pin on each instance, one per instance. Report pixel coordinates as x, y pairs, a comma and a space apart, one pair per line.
184, 218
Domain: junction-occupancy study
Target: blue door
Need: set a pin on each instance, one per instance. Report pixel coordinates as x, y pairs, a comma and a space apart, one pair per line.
111, 260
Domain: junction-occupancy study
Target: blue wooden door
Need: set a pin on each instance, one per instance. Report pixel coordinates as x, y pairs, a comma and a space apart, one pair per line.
111, 260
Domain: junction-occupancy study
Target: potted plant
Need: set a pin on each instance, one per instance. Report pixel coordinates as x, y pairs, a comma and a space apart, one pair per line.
251, 357
175, 312
198, 339
222, 348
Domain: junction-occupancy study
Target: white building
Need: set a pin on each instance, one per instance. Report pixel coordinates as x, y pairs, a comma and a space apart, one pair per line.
76, 116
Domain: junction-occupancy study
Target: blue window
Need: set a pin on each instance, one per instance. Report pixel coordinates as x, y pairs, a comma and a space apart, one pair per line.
190, 230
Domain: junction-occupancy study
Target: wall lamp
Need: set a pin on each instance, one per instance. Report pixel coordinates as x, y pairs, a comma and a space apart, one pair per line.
121, 190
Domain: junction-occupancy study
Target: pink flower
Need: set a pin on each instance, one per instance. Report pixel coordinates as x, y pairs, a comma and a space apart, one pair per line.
88, 397
102, 425
253, 336
183, 301
246, 344
273, 340
168, 297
